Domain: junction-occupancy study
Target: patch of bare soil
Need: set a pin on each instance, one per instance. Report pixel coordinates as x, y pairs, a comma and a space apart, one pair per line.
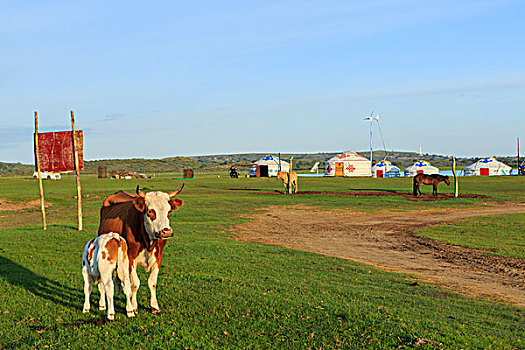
408, 196
386, 240
22, 206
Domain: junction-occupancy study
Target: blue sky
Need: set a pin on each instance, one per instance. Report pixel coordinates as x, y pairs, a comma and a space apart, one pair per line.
168, 78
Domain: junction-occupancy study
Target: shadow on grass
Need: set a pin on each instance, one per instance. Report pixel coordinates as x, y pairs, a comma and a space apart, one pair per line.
38, 285
249, 189
378, 190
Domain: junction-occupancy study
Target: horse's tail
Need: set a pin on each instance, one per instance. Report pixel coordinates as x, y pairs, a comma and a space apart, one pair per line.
414, 187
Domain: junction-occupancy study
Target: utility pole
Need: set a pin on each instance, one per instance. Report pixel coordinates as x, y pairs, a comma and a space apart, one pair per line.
371, 123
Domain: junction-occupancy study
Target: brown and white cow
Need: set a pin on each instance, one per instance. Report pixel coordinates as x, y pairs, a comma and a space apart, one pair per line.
143, 219
102, 256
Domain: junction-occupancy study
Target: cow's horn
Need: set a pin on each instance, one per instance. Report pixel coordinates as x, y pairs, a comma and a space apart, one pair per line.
140, 193
173, 194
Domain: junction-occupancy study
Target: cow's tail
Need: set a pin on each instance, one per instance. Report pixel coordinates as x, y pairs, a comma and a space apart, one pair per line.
122, 256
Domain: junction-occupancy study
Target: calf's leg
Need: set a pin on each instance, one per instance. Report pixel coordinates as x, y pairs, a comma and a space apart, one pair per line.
123, 276
107, 281
88, 288
102, 302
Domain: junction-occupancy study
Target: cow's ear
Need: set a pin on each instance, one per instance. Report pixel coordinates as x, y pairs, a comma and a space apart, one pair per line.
175, 203
139, 203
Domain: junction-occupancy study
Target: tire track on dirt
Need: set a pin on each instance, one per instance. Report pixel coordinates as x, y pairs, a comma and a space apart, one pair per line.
387, 240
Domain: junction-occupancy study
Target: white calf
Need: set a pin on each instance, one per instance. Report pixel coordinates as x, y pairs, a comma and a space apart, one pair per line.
102, 256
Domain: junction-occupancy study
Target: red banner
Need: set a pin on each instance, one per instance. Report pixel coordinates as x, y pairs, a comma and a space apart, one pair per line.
55, 150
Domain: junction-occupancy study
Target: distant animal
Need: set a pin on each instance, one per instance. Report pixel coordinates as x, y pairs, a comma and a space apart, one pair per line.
433, 179
289, 181
143, 220
102, 256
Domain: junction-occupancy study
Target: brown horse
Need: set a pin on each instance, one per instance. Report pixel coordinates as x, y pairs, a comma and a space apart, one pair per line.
433, 180
289, 181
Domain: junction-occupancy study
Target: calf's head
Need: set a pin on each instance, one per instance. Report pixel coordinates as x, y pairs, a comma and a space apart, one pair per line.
156, 208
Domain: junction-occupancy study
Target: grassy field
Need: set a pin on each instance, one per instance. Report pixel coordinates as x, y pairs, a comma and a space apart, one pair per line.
219, 293
504, 234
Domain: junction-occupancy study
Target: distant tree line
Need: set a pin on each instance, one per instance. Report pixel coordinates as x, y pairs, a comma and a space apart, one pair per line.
206, 163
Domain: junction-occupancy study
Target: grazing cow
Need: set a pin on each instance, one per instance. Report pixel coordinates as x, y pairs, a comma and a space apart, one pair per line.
102, 256
289, 181
143, 219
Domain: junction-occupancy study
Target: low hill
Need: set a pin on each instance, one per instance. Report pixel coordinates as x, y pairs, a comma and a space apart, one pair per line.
139, 165
302, 161
305, 161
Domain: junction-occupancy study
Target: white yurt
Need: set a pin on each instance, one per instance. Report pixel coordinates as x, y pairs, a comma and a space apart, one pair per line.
268, 166
421, 167
487, 166
385, 168
347, 164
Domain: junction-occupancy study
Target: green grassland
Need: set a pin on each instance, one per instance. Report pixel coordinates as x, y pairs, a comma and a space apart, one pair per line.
505, 234
218, 293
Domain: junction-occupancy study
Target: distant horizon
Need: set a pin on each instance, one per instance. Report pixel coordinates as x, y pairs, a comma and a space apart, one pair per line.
522, 157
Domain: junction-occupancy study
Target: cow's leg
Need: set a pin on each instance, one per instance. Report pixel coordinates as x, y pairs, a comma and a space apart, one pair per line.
135, 284
102, 302
107, 281
435, 190
88, 288
152, 284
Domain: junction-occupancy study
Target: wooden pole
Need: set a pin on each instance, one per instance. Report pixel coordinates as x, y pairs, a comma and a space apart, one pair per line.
40, 185
519, 167
290, 177
456, 187
77, 170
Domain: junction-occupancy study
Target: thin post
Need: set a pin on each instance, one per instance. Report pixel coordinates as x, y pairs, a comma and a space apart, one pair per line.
40, 185
77, 171
371, 154
290, 176
519, 167
456, 187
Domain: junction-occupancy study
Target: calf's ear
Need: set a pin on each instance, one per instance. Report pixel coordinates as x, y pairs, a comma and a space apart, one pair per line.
175, 203
139, 203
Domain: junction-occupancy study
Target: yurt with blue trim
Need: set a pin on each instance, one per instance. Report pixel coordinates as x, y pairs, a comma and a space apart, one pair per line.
421, 167
385, 168
487, 166
268, 166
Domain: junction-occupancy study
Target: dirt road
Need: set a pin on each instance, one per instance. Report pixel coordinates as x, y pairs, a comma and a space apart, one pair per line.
386, 240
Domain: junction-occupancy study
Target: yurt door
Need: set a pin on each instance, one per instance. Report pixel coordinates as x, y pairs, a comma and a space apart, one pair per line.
379, 173
484, 171
339, 169
263, 170
420, 171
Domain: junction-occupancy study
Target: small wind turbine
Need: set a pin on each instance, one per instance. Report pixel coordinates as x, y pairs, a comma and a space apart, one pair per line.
371, 123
